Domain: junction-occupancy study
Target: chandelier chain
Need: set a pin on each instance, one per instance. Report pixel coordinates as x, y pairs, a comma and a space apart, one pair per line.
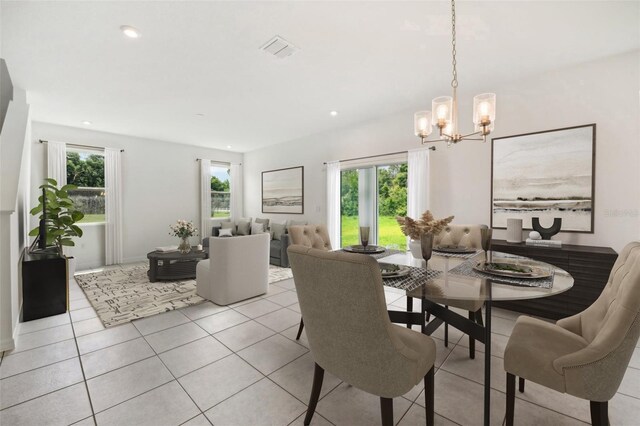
454, 82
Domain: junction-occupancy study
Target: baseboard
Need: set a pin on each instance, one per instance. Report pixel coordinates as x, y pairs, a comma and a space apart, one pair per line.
134, 259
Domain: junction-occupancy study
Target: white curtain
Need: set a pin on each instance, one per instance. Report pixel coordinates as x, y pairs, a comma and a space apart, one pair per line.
237, 210
113, 205
333, 203
205, 198
417, 182
57, 162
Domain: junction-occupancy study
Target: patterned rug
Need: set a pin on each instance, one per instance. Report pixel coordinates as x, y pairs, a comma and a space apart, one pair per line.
124, 293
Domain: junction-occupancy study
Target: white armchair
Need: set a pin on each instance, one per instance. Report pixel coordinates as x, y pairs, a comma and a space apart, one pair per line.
237, 269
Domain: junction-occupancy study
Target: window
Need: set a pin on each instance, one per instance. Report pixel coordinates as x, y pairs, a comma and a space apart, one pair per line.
85, 169
220, 191
378, 193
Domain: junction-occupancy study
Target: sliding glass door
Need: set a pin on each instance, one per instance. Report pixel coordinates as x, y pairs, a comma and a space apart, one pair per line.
373, 196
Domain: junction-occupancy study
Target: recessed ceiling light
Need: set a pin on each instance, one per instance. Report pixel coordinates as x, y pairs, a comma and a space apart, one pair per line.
199, 114
130, 31
86, 123
333, 113
228, 146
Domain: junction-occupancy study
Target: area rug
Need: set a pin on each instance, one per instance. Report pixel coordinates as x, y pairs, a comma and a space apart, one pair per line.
123, 294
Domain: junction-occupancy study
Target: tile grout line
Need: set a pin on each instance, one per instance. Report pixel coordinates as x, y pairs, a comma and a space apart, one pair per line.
173, 375
84, 377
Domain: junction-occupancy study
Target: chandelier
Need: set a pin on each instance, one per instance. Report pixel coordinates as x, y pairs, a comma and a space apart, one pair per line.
444, 109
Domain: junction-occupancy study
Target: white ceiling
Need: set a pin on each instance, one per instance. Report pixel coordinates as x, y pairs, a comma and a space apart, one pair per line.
364, 59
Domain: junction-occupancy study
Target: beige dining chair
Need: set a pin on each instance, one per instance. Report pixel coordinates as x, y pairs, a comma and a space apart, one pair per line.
468, 236
350, 335
585, 355
314, 236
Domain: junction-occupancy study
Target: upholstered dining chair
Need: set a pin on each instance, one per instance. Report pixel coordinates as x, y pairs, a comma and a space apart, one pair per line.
350, 335
315, 236
466, 236
585, 355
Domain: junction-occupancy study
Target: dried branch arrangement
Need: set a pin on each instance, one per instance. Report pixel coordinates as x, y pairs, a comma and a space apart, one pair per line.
427, 224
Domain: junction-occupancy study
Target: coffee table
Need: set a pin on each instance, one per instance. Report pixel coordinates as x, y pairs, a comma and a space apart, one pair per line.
173, 265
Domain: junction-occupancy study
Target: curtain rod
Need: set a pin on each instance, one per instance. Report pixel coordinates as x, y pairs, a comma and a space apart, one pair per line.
219, 162
431, 148
75, 145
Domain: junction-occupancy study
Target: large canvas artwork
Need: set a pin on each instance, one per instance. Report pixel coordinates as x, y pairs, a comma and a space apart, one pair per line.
547, 175
283, 191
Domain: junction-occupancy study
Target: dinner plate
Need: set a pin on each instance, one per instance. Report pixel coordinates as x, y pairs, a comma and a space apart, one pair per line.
362, 250
454, 249
390, 270
526, 272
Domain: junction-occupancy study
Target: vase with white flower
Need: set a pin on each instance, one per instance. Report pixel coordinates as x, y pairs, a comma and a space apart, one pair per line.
183, 229
415, 229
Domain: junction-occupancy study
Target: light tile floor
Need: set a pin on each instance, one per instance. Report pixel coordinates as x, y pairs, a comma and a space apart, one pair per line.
240, 365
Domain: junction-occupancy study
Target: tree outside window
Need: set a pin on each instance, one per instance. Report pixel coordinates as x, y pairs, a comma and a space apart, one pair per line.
220, 191
85, 169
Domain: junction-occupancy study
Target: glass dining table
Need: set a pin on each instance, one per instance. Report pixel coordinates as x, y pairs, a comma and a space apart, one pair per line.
449, 278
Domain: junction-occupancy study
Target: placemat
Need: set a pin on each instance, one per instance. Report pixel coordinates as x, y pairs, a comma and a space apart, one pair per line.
458, 255
466, 268
416, 278
385, 253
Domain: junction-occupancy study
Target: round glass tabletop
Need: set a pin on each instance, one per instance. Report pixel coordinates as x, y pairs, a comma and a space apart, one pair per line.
457, 281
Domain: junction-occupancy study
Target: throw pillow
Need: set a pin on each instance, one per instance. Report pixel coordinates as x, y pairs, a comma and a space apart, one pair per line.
257, 228
225, 232
264, 222
278, 230
244, 227
229, 225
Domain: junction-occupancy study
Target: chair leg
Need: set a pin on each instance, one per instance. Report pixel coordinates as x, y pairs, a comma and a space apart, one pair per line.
511, 399
521, 384
428, 397
599, 413
318, 375
472, 341
446, 331
386, 410
300, 329
409, 307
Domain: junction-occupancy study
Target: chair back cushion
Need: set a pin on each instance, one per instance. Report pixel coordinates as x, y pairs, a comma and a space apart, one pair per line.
345, 316
611, 325
314, 236
460, 235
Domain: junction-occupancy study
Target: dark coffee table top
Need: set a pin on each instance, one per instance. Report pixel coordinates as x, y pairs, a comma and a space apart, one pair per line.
176, 255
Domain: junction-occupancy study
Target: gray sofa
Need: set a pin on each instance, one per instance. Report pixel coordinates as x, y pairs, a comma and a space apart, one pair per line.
277, 248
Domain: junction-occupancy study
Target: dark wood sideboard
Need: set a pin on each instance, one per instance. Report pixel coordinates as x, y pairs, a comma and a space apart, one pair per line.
589, 266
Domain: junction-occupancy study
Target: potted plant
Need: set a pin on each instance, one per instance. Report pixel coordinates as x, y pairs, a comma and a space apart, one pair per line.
414, 229
184, 230
60, 217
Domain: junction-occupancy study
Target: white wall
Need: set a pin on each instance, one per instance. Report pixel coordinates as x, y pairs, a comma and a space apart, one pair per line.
603, 92
14, 184
161, 184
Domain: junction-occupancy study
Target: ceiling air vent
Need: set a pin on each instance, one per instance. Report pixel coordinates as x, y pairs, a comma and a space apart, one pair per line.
279, 47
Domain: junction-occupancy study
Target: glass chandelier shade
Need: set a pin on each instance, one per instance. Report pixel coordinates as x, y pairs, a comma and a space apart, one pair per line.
422, 124
484, 111
442, 108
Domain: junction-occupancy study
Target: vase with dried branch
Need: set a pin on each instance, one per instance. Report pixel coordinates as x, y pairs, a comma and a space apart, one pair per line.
414, 229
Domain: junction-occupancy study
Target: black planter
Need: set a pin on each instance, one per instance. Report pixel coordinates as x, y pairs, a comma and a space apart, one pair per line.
44, 285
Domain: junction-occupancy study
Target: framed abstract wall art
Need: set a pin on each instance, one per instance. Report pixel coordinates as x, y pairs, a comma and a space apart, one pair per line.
545, 174
283, 191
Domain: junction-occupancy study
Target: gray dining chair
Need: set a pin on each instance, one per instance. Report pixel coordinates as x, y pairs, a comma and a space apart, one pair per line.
349, 332
315, 236
585, 355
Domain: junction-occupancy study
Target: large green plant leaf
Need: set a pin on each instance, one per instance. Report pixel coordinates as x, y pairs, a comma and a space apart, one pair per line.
34, 232
67, 242
37, 209
51, 181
